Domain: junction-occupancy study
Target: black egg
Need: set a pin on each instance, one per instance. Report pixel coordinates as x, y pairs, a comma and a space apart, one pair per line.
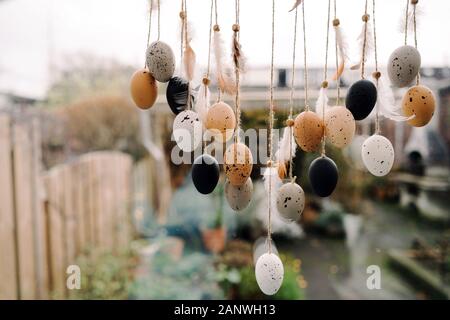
205, 173
361, 99
177, 94
323, 176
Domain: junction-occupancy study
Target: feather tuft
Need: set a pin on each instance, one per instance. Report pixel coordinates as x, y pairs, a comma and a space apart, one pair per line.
286, 146
386, 103
189, 62
238, 56
274, 183
322, 102
342, 51
224, 80
202, 103
369, 45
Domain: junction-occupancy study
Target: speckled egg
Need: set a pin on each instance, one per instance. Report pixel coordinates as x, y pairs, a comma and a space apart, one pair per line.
340, 126
187, 130
160, 61
144, 89
308, 131
290, 201
419, 101
361, 99
239, 197
238, 163
269, 272
323, 176
403, 66
221, 121
177, 95
378, 155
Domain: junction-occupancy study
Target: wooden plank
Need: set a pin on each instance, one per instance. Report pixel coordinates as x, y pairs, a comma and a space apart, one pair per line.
8, 273
69, 216
24, 213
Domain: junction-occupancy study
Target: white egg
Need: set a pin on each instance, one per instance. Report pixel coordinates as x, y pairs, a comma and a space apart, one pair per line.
269, 272
238, 197
403, 66
187, 130
290, 201
378, 155
160, 61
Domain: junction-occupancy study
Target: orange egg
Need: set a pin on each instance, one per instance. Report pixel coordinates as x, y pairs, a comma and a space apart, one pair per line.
419, 101
308, 131
144, 89
238, 163
221, 121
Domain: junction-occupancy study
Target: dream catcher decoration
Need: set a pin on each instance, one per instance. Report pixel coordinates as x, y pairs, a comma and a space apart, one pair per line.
377, 151
290, 199
269, 270
238, 160
308, 127
362, 95
323, 172
143, 86
221, 119
339, 123
403, 67
205, 169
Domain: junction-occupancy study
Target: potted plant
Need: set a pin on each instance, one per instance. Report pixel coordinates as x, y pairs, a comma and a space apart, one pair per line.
214, 236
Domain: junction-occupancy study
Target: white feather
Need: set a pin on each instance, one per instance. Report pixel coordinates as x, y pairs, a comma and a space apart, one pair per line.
401, 25
203, 103
322, 102
274, 182
369, 45
286, 146
224, 79
341, 43
386, 103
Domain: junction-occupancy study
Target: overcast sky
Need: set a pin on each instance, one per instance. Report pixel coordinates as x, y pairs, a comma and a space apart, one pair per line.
34, 33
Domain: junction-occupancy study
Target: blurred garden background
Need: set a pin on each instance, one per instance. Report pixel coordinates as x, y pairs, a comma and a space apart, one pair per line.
86, 178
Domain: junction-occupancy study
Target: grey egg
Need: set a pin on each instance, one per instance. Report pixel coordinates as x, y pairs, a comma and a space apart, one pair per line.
403, 66
239, 197
290, 201
160, 61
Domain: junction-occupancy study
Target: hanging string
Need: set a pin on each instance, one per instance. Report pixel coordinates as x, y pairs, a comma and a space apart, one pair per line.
182, 17
236, 30
159, 18
414, 3
269, 163
217, 29
406, 22
186, 39
290, 121
208, 69
325, 75
305, 66
365, 18
336, 23
149, 29
377, 73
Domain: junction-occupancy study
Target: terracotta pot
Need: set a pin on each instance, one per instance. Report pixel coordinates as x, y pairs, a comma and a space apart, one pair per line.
214, 239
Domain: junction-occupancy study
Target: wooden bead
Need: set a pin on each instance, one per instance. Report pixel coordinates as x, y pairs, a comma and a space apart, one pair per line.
336, 22
365, 17
206, 81
269, 163
182, 14
414, 2
376, 75
236, 27
290, 122
325, 84
216, 28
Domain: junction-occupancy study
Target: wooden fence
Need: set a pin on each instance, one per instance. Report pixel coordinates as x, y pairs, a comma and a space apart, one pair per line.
48, 218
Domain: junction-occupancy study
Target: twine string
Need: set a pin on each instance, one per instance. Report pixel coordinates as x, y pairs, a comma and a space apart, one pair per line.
305, 65
149, 29
338, 79
182, 17
325, 76
208, 69
186, 43
159, 18
237, 73
377, 73
415, 35
364, 49
406, 21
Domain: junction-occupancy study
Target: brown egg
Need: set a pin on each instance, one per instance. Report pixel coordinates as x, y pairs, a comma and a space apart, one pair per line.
238, 163
144, 89
339, 126
221, 121
419, 101
308, 131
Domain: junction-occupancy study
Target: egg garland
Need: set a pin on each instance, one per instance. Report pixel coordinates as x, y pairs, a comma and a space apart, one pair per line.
419, 102
308, 131
160, 61
340, 126
188, 130
205, 173
177, 93
403, 66
290, 201
377, 154
269, 272
143, 89
361, 99
239, 197
221, 121
238, 163
323, 176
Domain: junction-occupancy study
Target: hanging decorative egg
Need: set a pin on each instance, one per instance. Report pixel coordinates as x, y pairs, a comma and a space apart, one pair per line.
403, 66
221, 121
308, 131
239, 197
205, 173
177, 94
420, 102
340, 126
290, 201
378, 155
323, 176
144, 89
187, 130
269, 272
238, 163
361, 99
160, 61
